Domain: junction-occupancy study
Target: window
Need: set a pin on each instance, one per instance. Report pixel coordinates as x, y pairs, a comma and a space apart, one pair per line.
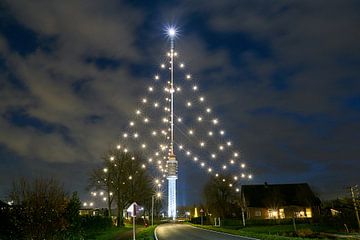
308, 213
281, 213
273, 213
257, 213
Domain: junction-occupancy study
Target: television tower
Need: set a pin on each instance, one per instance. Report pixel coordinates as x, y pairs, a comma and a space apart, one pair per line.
171, 161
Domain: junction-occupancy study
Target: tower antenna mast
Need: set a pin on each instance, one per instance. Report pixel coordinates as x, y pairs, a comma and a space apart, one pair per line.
172, 162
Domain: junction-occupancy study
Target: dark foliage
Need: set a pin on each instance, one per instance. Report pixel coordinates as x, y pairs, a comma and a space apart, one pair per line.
41, 210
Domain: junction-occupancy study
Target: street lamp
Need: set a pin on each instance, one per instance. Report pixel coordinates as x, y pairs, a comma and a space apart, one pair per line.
157, 195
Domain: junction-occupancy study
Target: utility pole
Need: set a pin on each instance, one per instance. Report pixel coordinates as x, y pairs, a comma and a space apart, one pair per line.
352, 189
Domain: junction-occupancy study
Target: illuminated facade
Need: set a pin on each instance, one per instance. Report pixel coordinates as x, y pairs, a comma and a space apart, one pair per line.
279, 201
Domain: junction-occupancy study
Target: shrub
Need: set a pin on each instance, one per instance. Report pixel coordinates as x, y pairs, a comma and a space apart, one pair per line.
95, 222
305, 232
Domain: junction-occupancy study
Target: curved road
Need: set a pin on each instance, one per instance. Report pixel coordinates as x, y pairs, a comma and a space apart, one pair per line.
173, 231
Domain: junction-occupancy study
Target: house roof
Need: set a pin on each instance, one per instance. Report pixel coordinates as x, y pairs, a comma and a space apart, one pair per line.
3, 204
276, 195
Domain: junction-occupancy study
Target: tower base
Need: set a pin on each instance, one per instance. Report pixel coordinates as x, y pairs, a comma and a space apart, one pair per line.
172, 197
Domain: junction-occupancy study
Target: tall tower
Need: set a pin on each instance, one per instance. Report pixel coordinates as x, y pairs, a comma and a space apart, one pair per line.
171, 161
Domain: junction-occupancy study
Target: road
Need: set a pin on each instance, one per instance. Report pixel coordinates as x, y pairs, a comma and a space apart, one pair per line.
172, 231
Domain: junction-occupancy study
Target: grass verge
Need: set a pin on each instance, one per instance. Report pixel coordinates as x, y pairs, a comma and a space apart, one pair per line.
106, 234
265, 233
146, 233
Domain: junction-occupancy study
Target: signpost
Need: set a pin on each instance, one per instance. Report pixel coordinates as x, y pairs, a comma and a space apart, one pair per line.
132, 209
202, 214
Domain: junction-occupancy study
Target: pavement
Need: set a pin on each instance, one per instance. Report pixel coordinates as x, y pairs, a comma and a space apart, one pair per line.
176, 231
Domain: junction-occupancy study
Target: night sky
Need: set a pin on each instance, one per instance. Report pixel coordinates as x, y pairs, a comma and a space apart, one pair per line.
283, 77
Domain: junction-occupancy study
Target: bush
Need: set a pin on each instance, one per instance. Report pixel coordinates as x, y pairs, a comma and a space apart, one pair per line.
206, 220
95, 222
305, 232
269, 222
41, 210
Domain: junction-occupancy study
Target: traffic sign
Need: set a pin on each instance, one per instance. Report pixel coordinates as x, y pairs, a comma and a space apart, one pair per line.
132, 209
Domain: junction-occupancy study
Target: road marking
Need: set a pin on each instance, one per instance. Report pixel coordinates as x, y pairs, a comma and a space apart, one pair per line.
155, 233
229, 234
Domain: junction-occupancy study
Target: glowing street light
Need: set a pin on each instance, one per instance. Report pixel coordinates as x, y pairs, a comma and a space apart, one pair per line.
157, 195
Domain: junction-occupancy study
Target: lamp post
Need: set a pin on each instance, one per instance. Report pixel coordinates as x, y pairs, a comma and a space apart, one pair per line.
157, 195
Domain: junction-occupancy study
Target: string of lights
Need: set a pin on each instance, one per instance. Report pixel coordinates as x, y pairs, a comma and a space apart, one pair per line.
200, 135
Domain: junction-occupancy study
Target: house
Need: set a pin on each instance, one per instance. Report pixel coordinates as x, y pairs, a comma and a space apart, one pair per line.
279, 201
4, 205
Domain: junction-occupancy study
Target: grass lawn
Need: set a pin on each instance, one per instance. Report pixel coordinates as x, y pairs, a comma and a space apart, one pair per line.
106, 234
123, 233
146, 233
276, 232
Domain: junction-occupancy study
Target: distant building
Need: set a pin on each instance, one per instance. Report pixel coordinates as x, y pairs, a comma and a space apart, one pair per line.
93, 212
4, 205
279, 201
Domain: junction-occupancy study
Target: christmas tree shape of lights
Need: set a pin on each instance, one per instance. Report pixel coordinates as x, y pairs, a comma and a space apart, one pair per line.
199, 135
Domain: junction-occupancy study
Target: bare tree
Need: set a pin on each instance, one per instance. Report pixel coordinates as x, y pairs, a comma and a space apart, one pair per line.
220, 196
124, 178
